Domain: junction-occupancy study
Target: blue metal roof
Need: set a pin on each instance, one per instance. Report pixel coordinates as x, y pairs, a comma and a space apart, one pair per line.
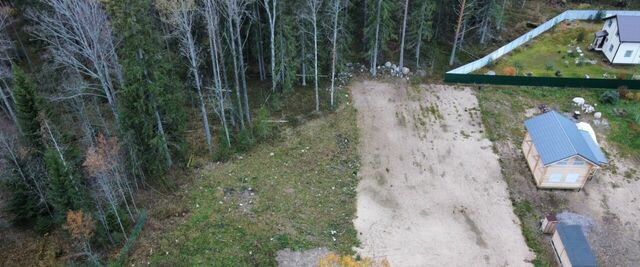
576, 246
557, 138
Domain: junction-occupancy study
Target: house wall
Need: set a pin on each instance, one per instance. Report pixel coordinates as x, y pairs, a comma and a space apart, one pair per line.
543, 174
563, 171
560, 250
635, 53
613, 40
533, 159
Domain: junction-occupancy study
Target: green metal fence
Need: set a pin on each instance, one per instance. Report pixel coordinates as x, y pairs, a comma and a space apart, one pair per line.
539, 81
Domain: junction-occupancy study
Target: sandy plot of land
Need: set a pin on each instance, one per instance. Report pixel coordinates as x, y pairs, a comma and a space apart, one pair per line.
431, 193
611, 200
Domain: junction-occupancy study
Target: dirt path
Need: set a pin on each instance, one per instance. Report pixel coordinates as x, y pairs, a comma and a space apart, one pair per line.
431, 192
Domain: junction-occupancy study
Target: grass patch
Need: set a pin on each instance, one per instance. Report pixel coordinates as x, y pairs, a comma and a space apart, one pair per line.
503, 113
549, 53
525, 212
297, 192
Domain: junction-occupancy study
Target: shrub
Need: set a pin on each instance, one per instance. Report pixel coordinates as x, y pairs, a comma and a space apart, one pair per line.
244, 140
609, 97
518, 66
262, 129
623, 92
550, 67
509, 71
224, 150
623, 76
275, 102
581, 35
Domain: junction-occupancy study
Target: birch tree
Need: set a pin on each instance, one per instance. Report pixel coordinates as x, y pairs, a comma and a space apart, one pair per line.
6, 51
336, 7
235, 11
270, 7
79, 36
420, 28
379, 30
404, 33
211, 15
180, 15
311, 15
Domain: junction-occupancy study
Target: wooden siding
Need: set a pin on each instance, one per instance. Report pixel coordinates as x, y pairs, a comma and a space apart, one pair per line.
541, 174
533, 159
560, 251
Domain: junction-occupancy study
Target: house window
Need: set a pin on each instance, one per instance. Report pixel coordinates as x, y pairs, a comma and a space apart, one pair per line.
611, 48
578, 162
555, 178
610, 23
572, 178
628, 53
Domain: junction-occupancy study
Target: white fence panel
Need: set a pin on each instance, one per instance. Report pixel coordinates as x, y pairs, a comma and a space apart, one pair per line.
567, 15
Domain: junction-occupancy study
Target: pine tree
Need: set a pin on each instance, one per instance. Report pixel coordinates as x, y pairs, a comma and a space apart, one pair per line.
152, 99
28, 108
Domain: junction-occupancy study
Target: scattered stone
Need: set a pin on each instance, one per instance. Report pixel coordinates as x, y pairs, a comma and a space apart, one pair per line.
422, 73
387, 64
588, 108
597, 115
587, 76
578, 101
529, 74
405, 70
490, 73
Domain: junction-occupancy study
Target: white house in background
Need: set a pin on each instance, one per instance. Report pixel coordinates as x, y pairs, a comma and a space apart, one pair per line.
619, 39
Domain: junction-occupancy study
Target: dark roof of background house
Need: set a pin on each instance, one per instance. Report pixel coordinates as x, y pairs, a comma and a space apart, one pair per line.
576, 245
556, 138
628, 27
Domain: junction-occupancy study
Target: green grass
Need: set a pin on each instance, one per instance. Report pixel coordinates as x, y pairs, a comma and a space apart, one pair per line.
548, 53
304, 187
525, 212
503, 110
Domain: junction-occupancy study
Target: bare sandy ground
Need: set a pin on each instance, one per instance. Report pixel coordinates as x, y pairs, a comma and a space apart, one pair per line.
431, 193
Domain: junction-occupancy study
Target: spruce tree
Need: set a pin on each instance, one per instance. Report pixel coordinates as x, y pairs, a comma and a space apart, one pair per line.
380, 29
65, 189
28, 107
152, 100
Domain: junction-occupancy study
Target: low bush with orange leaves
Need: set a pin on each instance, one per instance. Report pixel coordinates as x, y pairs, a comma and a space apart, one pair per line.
509, 71
79, 225
335, 260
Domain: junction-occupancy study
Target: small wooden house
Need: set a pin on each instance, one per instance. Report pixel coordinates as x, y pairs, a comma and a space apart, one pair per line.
559, 154
571, 247
619, 39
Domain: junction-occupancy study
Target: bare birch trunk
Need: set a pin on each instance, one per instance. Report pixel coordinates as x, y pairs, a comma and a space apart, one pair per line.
374, 61
457, 34
404, 30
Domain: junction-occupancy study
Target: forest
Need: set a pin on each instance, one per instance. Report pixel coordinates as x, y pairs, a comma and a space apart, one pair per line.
103, 99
